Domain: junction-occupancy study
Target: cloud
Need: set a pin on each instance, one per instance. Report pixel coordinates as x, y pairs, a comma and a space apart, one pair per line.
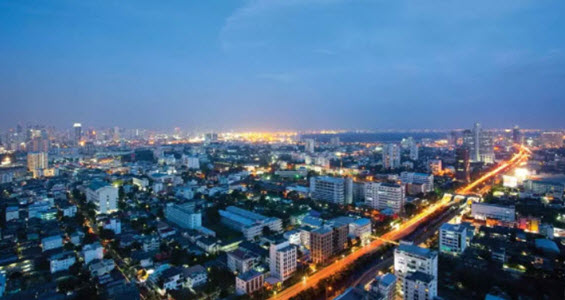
280, 77
254, 13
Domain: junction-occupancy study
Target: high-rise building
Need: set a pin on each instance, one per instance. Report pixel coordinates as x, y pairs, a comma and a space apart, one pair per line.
551, 139
321, 244
435, 166
462, 164
332, 189
480, 144
340, 232
486, 144
334, 141
452, 138
37, 162
211, 137
452, 238
517, 137
414, 148
410, 258
476, 150
77, 133
391, 156
282, 259
381, 196
310, 144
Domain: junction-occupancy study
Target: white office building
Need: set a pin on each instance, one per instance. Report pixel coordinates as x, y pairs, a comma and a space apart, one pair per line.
282, 260
332, 189
183, 215
104, 196
381, 196
452, 238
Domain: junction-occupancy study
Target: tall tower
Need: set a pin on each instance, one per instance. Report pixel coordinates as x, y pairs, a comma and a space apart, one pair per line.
476, 142
77, 133
462, 165
517, 135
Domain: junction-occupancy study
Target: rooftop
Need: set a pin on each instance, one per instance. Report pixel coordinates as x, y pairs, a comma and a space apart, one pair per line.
420, 276
249, 275
97, 184
413, 249
453, 227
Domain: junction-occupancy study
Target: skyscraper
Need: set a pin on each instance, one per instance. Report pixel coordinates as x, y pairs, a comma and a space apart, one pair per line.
462, 164
517, 137
414, 151
309, 145
480, 144
476, 150
77, 133
37, 162
391, 156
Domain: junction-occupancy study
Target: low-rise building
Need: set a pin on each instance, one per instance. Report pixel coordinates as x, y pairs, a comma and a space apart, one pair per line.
183, 215
61, 261
249, 282
91, 252
194, 276
249, 223
452, 238
100, 267
420, 286
242, 261
483, 211
51, 242
361, 228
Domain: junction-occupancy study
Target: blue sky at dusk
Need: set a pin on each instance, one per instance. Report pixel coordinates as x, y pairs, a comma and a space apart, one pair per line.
283, 64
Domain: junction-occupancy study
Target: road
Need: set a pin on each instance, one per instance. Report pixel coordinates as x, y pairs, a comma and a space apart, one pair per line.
403, 230
420, 235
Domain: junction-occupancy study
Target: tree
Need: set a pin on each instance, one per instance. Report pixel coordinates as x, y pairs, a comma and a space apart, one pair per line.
267, 231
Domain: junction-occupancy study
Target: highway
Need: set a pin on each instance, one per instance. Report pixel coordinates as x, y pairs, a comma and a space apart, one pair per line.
403, 230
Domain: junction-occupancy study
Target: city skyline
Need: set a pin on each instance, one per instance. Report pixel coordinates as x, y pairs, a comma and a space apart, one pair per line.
267, 65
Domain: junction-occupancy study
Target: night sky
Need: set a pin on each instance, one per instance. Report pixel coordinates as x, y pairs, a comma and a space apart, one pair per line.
283, 64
